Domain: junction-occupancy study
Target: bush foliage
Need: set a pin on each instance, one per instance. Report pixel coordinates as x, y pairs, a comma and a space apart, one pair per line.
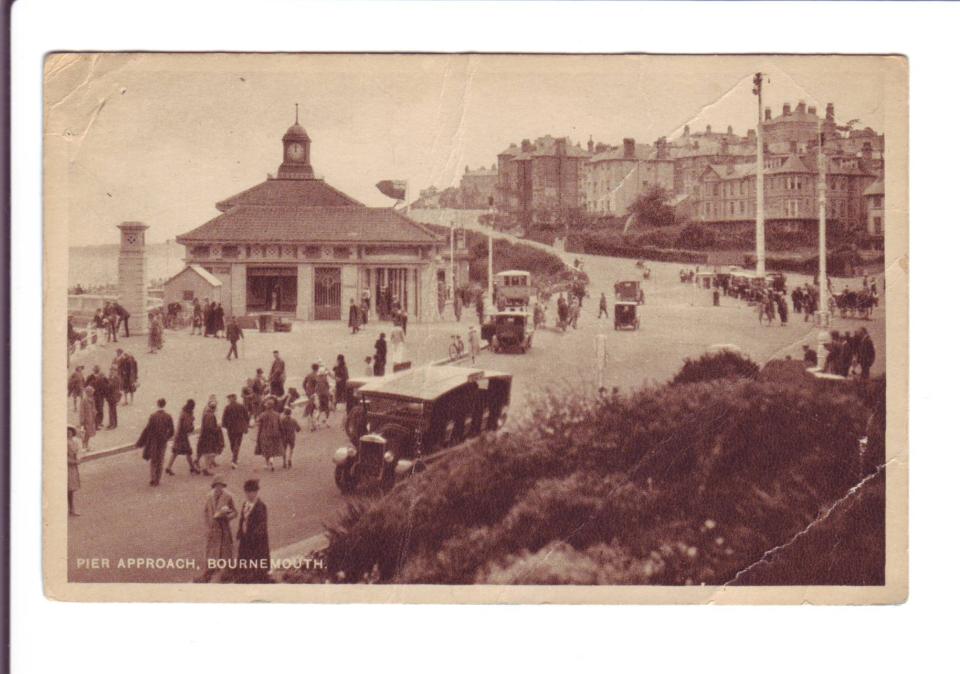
711, 366
684, 483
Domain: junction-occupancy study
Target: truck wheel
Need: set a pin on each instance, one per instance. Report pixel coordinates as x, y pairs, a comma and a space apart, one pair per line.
355, 425
345, 479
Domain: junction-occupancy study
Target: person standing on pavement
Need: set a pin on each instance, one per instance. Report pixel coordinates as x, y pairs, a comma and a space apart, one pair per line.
269, 435
210, 442
155, 338
278, 375
99, 384
218, 322
154, 438
124, 316
380, 355
87, 416
75, 386
113, 397
479, 306
340, 377
253, 549
236, 421
603, 306
288, 429
73, 469
866, 354
322, 389
181, 439
234, 334
218, 510
353, 318
574, 312
397, 345
127, 367
473, 342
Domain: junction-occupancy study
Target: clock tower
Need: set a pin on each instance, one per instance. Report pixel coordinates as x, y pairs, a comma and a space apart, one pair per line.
296, 153
132, 275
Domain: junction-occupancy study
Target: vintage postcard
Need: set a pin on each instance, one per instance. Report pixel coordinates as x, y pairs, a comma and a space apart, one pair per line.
475, 328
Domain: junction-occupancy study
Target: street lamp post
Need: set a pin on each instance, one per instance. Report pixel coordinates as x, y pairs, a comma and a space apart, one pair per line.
761, 244
823, 315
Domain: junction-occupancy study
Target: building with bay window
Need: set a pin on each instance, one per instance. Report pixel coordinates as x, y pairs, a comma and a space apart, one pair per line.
297, 247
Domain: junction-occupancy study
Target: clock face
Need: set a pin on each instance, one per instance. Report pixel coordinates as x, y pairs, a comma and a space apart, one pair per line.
295, 151
132, 239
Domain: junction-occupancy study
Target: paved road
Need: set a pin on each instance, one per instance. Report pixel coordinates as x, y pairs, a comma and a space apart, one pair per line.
122, 517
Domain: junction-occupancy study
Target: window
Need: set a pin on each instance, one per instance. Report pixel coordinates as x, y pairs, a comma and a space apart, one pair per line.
188, 294
230, 251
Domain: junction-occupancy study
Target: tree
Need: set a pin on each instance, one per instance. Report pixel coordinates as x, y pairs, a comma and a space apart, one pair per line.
652, 210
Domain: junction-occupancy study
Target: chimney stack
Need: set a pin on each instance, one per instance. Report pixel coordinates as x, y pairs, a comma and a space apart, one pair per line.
686, 129
629, 148
752, 134
525, 145
561, 145
708, 129
662, 147
786, 109
801, 107
767, 114
729, 129
590, 145
812, 109
829, 112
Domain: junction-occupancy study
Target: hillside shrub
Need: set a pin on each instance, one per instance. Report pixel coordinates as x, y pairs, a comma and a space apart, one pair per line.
724, 364
672, 485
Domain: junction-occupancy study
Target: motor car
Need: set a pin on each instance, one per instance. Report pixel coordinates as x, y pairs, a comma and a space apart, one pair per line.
399, 424
512, 331
625, 315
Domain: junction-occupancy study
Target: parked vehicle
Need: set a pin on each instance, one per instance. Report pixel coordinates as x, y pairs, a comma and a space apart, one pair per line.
400, 423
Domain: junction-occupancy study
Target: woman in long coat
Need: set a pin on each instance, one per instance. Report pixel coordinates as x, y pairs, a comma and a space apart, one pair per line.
353, 319
155, 340
210, 442
269, 435
218, 510
181, 440
87, 416
340, 376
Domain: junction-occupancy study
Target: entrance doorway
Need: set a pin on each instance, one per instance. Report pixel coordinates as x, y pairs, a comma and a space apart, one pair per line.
390, 291
327, 293
271, 289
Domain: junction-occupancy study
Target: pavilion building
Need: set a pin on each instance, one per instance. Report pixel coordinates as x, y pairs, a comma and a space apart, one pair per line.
295, 246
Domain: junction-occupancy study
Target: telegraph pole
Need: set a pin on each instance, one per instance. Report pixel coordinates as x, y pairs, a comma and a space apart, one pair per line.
761, 244
823, 315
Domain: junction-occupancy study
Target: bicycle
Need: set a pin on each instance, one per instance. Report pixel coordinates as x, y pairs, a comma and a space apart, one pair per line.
456, 349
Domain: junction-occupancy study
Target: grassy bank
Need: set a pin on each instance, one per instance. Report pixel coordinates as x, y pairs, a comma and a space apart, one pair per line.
725, 475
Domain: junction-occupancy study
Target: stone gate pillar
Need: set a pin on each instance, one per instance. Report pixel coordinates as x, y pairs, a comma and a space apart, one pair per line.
132, 276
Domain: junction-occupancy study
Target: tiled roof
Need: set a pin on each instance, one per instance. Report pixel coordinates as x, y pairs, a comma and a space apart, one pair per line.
199, 271
641, 152
289, 193
307, 224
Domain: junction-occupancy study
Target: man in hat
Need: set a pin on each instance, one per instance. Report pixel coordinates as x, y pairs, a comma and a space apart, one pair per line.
236, 420
218, 510
278, 374
154, 438
75, 386
253, 550
234, 335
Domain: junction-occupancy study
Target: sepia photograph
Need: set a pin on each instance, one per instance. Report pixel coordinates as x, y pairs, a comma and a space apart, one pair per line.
471, 328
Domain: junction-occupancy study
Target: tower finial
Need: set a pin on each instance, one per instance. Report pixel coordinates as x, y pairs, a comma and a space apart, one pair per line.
296, 114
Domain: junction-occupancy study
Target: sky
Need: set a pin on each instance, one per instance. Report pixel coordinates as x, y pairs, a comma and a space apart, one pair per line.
161, 138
